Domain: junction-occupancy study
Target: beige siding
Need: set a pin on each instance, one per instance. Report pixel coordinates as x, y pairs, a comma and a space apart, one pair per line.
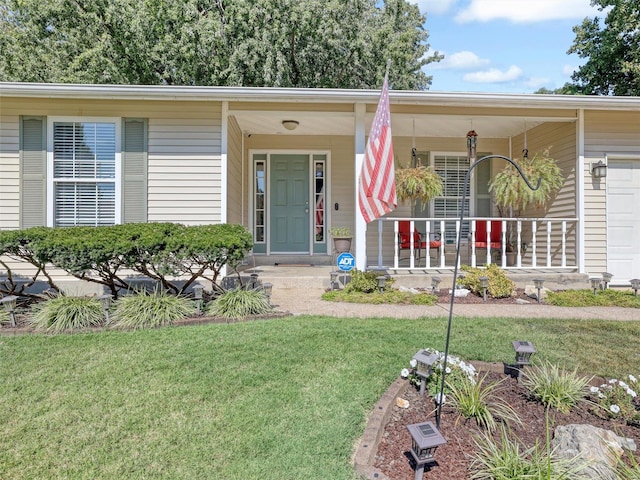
9, 170
236, 166
605, 133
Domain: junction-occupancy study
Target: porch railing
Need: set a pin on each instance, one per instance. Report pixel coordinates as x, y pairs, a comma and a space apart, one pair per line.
531, 243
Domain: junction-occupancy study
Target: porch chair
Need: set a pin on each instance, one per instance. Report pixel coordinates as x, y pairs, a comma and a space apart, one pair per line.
404, 239
480, 237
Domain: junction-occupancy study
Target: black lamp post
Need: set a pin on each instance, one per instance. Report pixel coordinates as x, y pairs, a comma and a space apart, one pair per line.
10, 303
470, 143
425, 439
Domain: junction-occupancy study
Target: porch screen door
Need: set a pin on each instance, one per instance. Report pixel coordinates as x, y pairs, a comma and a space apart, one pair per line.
289, 219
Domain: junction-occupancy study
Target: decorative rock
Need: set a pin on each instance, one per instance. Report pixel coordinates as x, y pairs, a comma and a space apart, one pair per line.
408, 289
460, 292
531, 291
598, 448
521, 301
402, 403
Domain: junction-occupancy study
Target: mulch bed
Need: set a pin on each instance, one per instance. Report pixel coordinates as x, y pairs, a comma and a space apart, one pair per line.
453, 459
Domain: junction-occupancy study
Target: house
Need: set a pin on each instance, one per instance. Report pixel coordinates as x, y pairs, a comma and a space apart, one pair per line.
285, 163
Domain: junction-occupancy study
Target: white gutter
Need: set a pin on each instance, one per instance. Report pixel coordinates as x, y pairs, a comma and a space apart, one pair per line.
313, 95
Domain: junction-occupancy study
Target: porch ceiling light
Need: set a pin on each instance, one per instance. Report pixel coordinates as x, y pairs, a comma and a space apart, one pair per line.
290, 124
635, 284
425, 439
599, 169
472, 143
9, 303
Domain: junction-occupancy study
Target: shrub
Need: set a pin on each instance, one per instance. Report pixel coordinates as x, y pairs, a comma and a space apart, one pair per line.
376, 298
480, 401
500, 286
149, 310
365, 282
67, 313
239, 303
554, 387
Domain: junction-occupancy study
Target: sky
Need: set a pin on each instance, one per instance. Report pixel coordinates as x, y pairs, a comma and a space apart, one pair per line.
503, 46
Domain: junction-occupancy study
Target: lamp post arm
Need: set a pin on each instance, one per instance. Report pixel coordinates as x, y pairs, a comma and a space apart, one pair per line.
467, 177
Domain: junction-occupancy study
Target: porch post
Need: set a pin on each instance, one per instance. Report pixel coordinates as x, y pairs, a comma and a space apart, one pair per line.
360, 224
580, 199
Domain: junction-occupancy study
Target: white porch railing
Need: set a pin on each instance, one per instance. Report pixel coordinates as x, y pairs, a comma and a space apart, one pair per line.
531, 243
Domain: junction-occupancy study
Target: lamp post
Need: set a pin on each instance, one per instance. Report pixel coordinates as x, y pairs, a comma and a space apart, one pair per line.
254, 280
424, 366
606, 279
425, 439
10, 303
267, 288
595, 284
458, 242
435, 283
197, 295
538, 282
635, 285
484, 283
105, 303
334, 280
523, 350
382, 281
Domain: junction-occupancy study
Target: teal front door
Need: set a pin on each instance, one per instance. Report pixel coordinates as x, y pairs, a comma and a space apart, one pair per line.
289, 219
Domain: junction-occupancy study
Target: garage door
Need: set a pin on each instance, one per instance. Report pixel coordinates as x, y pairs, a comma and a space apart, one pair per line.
623, 220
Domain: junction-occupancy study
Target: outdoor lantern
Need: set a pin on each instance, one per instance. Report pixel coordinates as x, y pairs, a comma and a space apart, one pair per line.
524, 350
424, 364
435, 282
425, 439
606, 278
484, 283
595, 284
267, 288
599, 169
538, 282
9, 303
334, 280
254, 280
635, 284
197, 295
105, 303
472, 143
382, 281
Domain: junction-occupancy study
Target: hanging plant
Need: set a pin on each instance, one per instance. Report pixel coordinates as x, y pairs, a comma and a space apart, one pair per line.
418, 183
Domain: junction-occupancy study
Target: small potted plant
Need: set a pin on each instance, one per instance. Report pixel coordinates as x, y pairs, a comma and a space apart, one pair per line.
342, 237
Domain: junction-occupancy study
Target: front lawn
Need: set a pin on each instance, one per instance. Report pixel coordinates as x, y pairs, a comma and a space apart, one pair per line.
276, 399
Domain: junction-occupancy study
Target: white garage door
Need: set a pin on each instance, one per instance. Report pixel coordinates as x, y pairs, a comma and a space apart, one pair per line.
623, 220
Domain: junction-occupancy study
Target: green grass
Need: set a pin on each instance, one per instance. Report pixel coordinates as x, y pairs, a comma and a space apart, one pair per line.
376, 298
276, 399
586, 298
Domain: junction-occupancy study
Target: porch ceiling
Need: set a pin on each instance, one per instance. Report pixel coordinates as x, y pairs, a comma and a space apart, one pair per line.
428, 125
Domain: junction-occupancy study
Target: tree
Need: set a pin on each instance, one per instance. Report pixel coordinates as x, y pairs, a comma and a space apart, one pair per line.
613, 50
279, 43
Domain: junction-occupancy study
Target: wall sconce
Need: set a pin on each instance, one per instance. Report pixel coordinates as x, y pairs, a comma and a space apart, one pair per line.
606, 279
435, 282
599, 169
635, 285
290, 124
539, 282
595, 284
472, 143
10, 303
484, 283
424, 365
105, 303
425, 439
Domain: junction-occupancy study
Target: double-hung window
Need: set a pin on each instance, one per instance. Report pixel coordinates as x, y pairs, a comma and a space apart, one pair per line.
83, 163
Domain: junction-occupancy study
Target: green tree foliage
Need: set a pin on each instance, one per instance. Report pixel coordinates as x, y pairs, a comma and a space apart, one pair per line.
612, 50
279, 43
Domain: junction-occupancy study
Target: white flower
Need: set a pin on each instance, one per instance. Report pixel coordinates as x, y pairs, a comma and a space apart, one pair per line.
614, 408
404, 373
444, 398
613, 380
413, 363
601, 395
594, 389
633, 379
632, 393
622, 384
448, 370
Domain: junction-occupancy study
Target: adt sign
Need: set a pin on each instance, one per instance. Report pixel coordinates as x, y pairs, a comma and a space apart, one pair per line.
346, 261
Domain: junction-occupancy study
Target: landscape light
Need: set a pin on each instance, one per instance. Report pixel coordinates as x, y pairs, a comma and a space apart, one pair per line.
484, 283
105, 303
424, 366
425, 439
606, 278
197, 295
10, 303
267, 288
538, 282
382, 281
595, 284
435, 282
635, 284
523, 350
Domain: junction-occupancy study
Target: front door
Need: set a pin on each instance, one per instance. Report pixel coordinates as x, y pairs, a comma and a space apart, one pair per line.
289, 219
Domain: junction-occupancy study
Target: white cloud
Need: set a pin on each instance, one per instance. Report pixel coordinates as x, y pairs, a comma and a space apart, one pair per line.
464, 60
568, 70
494, 75
520, 11
434, 7
537, 82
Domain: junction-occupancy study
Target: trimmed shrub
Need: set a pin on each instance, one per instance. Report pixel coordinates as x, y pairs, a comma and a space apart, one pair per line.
365, 282
500, 286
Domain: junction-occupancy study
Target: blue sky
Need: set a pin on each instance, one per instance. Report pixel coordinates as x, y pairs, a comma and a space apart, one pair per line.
508, 46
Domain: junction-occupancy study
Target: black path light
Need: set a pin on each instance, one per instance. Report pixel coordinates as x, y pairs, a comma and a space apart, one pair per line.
606, 279
524, 350
458, 240
425, 438
9, 303
539, 282
424, 366
635, 285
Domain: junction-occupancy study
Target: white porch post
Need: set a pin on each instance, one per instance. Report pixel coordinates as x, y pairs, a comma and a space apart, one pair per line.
580, 192
361, 225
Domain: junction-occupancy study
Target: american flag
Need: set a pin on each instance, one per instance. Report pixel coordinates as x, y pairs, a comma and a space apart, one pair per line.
377, 189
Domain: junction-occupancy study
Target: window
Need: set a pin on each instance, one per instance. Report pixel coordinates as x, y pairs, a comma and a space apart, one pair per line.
452, 168
259, 222
84, 170
319, 217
